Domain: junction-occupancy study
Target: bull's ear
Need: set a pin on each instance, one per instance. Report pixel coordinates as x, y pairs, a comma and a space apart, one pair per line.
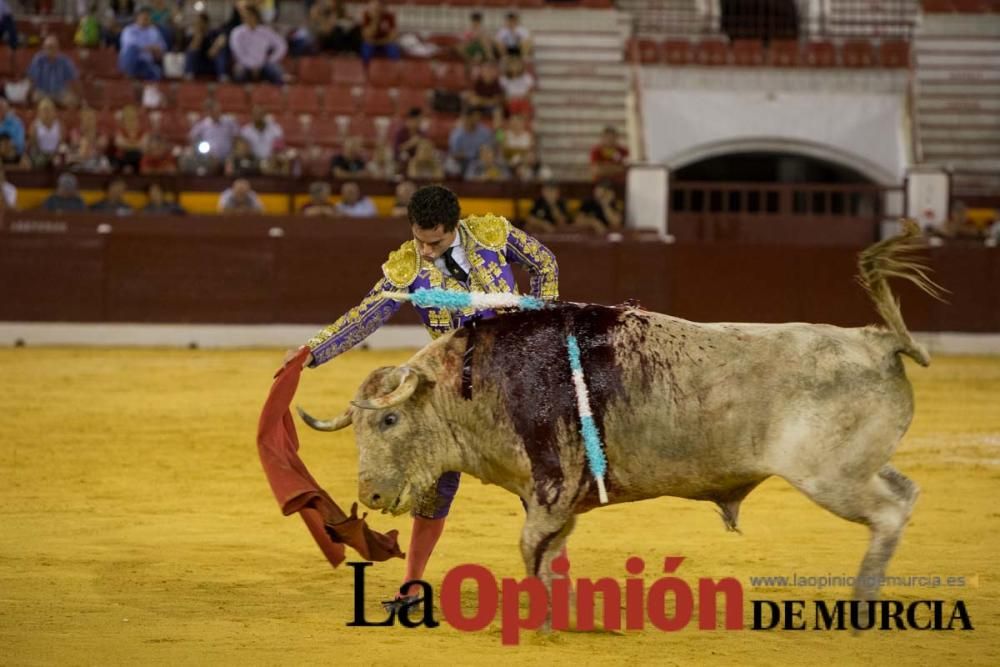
409, 380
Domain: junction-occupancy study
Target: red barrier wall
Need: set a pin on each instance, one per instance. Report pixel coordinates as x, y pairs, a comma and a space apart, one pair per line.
218, 270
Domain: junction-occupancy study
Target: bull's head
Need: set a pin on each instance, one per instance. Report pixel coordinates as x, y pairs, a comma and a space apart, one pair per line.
394, 425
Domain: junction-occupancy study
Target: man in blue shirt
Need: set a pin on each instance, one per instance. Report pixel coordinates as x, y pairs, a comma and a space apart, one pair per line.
11, 125
66, 197
52, 74
142, 47
465, 141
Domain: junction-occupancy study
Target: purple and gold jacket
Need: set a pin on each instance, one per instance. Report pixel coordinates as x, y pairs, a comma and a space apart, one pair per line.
491, 244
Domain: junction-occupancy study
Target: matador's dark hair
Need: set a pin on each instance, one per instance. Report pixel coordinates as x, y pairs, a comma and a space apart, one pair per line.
434, 205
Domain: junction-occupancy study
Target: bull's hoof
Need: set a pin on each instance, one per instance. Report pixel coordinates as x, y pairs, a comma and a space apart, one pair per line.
400, 603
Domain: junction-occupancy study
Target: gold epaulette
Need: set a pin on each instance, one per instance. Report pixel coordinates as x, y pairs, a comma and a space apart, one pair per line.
489, 231
402, 266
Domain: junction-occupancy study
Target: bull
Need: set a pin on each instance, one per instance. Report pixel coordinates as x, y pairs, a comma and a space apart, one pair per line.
686, 409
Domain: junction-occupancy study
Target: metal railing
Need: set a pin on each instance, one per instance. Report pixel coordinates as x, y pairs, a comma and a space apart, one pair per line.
775, 19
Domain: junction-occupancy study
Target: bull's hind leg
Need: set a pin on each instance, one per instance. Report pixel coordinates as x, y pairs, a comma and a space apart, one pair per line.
883, 502
542, 538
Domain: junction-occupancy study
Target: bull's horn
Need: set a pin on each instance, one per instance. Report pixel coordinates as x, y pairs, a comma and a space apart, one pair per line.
334, 424
407, 385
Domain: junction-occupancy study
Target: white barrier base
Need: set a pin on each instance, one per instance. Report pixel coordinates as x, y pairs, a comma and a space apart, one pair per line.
292, 335
192, 335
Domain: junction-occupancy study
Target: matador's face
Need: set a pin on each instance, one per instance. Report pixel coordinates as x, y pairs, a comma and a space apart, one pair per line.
431, 243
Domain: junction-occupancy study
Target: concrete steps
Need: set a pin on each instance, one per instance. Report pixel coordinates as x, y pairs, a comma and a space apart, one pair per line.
582, 87
957, 104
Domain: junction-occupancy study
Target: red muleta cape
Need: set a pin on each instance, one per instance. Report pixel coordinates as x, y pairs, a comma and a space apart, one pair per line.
296, 490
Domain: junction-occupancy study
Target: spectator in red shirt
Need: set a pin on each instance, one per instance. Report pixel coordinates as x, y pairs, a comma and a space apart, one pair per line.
378, 33
607, 159
486, 95
158, 158
409, 134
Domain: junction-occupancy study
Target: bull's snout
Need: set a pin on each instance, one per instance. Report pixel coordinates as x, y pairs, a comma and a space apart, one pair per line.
376, 494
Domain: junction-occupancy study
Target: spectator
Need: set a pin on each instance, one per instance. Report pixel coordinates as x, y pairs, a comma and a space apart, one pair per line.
378, 33
330, 28
465, 141
8, 26
404, 192
382, 166
66, 197
319, 201
477, 46
515, 140
45, 135
352, 204
266, 9
87, 128
319, 22
114, 199
242, 161
517, 84
122, 10
9, 200
88, 30
486, 167
205, 52
514, 39
549, 213
264, 135
142, 48
314, 163
240, 198
409, 134
129, 141
486, 95
350, 162
162, 17
161, 203
9, 157
607, 158
87, 146
426, 164
530, 168
52, 74
111, 31
158, 158
346, 35
601, 213
212, 137
257, 50
11, 125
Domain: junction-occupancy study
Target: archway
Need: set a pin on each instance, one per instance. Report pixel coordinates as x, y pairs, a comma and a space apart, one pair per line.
839, 163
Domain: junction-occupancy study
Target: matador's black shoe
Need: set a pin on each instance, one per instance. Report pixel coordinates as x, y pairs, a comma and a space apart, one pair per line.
402, 602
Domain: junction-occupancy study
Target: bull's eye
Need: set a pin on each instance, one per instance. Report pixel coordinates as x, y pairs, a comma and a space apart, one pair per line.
390, 419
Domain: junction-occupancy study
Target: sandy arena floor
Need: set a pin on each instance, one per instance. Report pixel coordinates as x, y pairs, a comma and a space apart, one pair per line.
138, 529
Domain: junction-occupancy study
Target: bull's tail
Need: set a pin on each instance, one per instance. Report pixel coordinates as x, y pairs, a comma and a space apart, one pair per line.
894, 257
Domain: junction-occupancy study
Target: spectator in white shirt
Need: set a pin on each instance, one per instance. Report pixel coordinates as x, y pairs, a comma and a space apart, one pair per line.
211, 141
257, 50
517, 84
263, 134
215, 130
352, 204
514, 39
240, 198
